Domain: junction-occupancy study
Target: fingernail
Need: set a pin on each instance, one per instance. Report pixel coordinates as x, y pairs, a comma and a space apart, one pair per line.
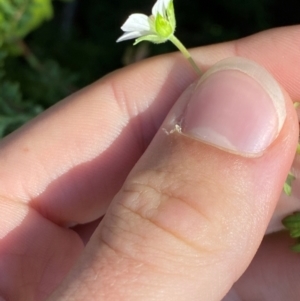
236, 106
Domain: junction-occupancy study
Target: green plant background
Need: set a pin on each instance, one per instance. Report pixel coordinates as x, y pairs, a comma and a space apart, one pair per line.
49, 49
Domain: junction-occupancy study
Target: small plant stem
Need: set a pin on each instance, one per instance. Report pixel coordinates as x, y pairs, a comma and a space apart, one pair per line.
185, 53
31, 59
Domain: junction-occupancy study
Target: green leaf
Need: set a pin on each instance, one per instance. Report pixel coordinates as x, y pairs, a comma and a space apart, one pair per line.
296, 248
292, 221
296, 104
295, 232
287, 187
19, 17
298, 148
14, 111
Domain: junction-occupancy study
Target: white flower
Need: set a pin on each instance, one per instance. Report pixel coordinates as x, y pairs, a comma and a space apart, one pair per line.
157, 28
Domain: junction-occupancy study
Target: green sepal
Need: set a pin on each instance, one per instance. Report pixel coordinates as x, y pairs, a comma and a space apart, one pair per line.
162, 27
287, 187
151, 38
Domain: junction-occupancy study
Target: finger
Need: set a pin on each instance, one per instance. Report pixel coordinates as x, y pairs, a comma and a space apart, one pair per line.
194, 209
287, 204
273, 273
35, 254
85, 146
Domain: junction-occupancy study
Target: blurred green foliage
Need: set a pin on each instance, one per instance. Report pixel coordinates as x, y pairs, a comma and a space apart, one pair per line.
20, 17
49, 49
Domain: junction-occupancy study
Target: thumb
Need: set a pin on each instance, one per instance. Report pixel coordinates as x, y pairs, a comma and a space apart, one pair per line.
193, 211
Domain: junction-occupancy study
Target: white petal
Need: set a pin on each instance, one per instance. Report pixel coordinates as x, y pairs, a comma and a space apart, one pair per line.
129, 35
167, 2
160, 7
155, 8
136, 22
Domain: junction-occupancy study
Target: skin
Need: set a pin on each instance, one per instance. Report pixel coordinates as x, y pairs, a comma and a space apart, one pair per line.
69, 165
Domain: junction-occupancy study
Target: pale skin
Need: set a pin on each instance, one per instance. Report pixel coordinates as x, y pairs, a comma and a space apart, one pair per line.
69, 164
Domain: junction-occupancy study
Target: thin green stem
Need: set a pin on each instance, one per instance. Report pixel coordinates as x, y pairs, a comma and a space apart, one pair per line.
186, 54
30, 57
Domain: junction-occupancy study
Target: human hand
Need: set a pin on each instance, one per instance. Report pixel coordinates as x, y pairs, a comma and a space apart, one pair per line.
188, 220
